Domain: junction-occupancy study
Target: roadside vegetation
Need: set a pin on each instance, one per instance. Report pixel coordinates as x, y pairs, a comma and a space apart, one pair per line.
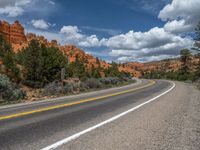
35, 72
186, 72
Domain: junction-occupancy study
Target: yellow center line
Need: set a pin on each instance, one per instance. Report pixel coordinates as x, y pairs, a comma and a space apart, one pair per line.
73, 103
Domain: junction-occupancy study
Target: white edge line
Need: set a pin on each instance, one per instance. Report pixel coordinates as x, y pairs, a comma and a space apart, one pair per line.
75, 136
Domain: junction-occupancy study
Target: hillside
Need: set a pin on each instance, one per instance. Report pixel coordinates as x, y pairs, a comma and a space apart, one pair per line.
15, 35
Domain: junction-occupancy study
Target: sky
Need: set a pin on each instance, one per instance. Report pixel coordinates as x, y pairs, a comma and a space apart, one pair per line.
113, 30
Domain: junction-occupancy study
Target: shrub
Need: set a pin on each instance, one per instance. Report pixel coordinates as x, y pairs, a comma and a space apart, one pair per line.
93, 83
55, 88
105, 81
9, 91
52, 88
83, 86
111, 80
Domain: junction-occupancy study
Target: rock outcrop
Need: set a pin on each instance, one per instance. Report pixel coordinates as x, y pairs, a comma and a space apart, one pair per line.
42, 40
72, 52
14, 33
134, 68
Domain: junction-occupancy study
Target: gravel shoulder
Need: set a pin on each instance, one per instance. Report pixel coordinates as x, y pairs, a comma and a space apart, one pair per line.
171, 122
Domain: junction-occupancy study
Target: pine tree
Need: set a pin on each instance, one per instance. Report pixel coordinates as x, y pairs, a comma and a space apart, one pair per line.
33, 64
42, 64
185, 64
113, 71
77, 69
8, 57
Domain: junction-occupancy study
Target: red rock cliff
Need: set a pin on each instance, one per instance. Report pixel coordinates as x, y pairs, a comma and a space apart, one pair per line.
14, 33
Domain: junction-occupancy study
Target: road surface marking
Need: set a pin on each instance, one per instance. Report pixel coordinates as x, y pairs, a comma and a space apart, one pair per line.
73, 103
75, 136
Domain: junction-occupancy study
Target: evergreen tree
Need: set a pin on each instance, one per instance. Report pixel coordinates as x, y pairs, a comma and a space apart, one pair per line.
8, 57
77, 69
33, 64
185, 64
4, 46
95, 72
113, 71
42, 64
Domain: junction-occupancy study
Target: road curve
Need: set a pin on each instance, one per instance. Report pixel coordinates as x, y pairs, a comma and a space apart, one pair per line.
39, 129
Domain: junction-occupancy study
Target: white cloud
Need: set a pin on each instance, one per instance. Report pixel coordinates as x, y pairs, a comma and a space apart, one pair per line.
155, 37
178, 26
73, 35
41, 24
72, 32
183, 13
13, 8
156, 41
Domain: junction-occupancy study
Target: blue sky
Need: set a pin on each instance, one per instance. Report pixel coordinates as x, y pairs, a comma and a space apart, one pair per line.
122, 30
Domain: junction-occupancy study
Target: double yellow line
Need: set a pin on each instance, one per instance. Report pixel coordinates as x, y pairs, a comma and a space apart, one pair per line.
73, 103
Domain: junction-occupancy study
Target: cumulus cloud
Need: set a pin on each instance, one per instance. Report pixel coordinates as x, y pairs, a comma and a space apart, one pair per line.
72, 32
41, 24
73, 35
155, 37
183, 13
177, 27
156, 41
13, 8
131, 45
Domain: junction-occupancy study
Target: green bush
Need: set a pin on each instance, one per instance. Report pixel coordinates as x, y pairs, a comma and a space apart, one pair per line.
10, 91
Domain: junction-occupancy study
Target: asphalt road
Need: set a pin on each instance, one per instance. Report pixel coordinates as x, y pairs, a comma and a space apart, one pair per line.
23, 127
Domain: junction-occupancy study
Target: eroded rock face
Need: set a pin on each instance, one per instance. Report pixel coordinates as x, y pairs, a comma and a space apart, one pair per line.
14, 33
42, 40
72, 52
134, 68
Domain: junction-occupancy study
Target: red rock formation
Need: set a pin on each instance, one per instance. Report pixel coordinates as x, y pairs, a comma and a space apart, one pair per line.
14, 33
42, 39
72, 52
134, 68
